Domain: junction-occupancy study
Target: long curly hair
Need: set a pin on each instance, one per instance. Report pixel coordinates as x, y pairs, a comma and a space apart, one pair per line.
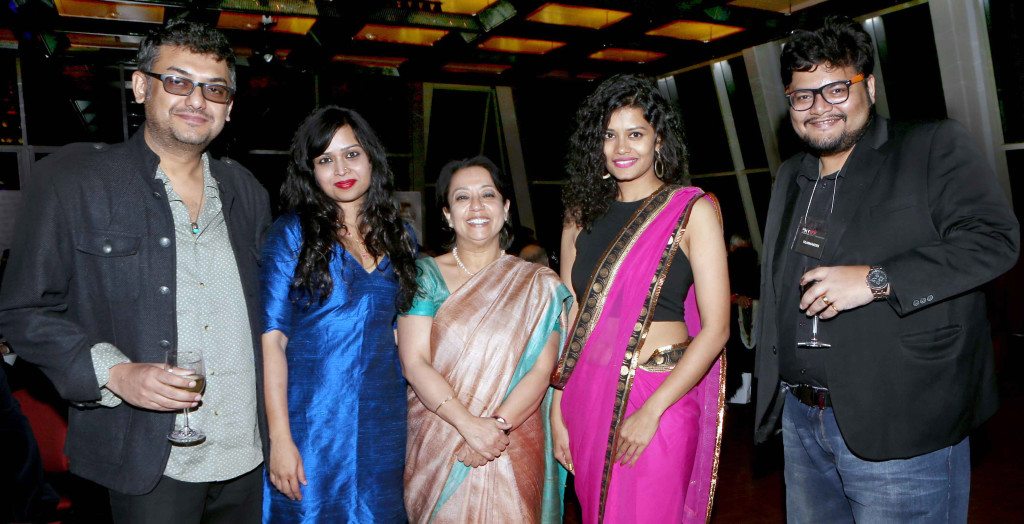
322, 220
587, 196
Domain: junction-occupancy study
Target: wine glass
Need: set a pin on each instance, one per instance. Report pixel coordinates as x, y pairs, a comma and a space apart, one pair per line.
187, 364
813, 342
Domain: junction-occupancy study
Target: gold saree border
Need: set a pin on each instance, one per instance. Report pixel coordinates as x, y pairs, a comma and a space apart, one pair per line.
632, 356
600, 282
596, 294
720, 426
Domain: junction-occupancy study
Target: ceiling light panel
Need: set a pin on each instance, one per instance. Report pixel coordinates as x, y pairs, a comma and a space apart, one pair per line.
508, 44
494, 69
698, 31
270, 7
618, 54
152, 14
590, 17
779, 6
465, 7
296, 25
93, 41
370, 61
400, 35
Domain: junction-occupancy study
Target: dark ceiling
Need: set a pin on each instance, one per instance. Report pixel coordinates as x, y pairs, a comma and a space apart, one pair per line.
331, 33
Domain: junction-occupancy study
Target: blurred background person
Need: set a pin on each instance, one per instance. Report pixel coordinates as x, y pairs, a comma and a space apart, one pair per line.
744, 281
535, 253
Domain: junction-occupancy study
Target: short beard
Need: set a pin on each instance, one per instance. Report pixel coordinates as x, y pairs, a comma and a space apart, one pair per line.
170, 137
844, 142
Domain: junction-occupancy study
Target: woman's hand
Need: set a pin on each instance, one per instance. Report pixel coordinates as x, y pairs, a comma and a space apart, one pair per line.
286, 471
485, 435
560, 440
467, 456
635, 434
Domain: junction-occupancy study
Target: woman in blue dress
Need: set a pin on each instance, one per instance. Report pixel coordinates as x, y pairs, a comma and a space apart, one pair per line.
337, 267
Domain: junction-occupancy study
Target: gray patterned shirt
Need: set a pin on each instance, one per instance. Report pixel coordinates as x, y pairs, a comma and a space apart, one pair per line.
212, 317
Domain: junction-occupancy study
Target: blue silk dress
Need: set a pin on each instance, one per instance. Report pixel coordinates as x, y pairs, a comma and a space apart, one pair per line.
346, 393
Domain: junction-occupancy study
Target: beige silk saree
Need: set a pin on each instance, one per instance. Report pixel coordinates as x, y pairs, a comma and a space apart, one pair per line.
485, 337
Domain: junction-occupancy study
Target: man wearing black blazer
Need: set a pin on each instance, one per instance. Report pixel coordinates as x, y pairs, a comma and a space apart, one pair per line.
126, 251
884, 233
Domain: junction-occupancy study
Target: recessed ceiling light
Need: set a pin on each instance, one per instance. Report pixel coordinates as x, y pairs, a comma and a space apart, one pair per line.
618, 54
297, 25
494, 69
370, 61
592, 17
153, 14
400, 34
779, 6
509, 44
94, 41
465, 7
698, 31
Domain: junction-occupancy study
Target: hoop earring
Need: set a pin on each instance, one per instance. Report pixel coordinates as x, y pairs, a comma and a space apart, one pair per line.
606, 176
660, 173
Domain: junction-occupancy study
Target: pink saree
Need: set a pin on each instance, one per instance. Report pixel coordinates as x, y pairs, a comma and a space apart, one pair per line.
674, 479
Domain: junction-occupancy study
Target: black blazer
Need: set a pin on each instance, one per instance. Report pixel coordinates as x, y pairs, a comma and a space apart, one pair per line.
914, 373
87, 266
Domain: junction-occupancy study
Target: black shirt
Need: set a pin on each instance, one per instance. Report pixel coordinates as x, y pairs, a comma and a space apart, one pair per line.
590, 245
799, 365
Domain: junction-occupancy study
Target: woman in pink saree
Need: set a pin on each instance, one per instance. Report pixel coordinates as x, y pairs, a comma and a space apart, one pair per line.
638, 420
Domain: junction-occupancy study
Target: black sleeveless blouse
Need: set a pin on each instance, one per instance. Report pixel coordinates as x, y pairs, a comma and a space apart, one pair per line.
591, 245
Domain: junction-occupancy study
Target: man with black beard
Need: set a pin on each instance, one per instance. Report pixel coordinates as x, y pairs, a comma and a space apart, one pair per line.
885, 234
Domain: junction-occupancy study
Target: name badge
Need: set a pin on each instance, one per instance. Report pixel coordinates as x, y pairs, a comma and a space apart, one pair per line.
810, 237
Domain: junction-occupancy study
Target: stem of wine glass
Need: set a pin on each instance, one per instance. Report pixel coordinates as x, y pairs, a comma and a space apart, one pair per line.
814, 337
187, 429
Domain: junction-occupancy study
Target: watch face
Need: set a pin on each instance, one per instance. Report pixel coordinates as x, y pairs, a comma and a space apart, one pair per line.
877, 278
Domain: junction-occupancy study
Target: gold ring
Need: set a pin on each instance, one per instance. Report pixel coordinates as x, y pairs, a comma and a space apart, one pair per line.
834, 308
824, 298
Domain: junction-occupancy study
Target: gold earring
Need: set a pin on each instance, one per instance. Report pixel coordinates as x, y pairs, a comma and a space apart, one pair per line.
660, 173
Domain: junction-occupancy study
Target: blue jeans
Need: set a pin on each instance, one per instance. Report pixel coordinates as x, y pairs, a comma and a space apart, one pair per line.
825, 482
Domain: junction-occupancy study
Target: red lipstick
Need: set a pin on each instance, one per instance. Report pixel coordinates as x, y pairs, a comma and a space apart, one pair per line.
345, 184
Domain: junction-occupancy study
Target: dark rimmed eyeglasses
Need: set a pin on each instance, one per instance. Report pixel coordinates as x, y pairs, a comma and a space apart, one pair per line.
834, 93
181, 86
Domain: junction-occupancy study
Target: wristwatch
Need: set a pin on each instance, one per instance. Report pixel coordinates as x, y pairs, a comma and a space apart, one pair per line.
878, 282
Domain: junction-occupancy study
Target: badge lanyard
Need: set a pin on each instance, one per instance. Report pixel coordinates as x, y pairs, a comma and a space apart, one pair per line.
812, 231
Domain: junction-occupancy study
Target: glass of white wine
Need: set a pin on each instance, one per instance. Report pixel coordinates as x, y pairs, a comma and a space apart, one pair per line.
814, 342
187, 364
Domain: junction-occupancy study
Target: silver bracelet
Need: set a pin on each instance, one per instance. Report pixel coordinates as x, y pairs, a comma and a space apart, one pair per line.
503, 421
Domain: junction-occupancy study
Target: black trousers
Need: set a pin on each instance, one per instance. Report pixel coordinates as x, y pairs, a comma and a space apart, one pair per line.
238, 500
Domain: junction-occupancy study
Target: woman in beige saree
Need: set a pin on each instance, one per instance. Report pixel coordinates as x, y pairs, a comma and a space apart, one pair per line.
478, 347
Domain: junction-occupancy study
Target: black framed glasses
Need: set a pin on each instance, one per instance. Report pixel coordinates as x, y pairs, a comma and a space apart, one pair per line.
181, 86
834, 93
